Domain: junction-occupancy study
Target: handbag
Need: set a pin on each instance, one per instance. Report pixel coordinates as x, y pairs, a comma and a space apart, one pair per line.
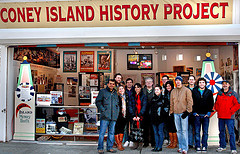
136, 134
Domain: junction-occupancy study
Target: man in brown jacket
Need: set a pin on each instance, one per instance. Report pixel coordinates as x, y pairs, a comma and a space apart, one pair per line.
181, 105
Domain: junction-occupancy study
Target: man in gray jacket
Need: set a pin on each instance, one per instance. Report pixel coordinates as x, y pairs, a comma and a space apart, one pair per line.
107, 103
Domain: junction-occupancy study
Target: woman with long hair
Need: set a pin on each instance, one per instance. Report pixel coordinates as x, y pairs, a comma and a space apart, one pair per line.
137, 108
157, 115
121, 121
170, 120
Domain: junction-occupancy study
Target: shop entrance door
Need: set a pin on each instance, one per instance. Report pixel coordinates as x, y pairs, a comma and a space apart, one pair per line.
3, 81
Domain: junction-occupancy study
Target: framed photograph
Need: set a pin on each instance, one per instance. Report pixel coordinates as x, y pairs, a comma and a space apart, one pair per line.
235, 57
70, 61
87, 61
178, 69
171, 75
104, 61
147, 75
185, 76
190, 69
198, 71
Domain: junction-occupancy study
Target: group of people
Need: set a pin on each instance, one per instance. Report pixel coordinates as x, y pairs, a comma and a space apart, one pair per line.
176, 113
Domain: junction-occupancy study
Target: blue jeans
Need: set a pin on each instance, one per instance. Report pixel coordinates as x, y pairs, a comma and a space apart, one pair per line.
190, 134
230, 126
104, 124
126, 132
182, 131
200, 121
158, 134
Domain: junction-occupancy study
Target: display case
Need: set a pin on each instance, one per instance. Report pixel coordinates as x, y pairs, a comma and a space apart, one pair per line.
88, 82
69, 122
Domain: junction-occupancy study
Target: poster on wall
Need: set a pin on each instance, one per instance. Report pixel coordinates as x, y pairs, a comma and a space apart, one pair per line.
84, 92
171, 75
235, 57
72, 91
104, 60
43, 99
40, 126
72, 81
147, 75
78, 128
178, 69
87, 61
56, 97
41, 56
70, 61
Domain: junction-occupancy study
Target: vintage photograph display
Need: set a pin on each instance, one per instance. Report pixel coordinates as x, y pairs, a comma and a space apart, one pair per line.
70, 61
41, 56
87, 61
104, 61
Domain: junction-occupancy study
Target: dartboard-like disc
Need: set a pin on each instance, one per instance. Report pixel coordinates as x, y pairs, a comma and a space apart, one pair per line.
214, 81
25, 92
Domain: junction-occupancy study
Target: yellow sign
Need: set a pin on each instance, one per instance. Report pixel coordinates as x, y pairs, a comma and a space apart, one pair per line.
112, 13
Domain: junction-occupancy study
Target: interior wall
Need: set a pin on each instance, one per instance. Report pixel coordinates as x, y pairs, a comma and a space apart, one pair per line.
189, 58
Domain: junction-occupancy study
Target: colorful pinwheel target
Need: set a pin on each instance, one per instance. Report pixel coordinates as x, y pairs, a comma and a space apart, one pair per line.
214, 81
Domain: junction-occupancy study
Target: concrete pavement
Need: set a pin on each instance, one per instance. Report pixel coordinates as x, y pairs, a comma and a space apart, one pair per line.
82, 147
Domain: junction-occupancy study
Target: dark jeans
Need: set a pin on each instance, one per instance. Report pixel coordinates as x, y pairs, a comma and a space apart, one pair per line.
120, 125
148, 133
230, 126
200, 121
158, 134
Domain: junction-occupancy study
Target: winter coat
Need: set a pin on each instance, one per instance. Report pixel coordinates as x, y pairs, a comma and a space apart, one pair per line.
132, 106
158, 110
108, 104
202, 104
181, 100
227, 104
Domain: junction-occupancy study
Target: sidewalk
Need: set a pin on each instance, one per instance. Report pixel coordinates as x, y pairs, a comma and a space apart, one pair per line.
68, 147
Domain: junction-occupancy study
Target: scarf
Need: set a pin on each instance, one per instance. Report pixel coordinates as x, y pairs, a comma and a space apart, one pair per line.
123, 105
138, 106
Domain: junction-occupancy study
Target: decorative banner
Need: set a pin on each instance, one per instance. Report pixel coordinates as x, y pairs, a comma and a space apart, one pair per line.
87, 61
70, 61
110, 13
104, 61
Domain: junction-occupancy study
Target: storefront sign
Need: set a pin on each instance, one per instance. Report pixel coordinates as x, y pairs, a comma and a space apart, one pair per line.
109, 13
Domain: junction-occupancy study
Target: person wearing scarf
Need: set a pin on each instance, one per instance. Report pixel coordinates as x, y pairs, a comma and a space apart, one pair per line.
137, 108
121, 121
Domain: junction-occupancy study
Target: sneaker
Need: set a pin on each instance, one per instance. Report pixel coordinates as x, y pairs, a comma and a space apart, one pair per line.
165, 142
130, 144
184, 152
204, 150
179, 150
234, 152
198, 150
219, 149
126, 144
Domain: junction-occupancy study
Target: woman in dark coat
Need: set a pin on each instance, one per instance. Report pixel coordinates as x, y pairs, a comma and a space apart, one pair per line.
170, 120
137, 108
157, 115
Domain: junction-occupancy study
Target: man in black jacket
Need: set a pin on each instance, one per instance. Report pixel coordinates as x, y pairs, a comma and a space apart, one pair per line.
202, 108
107, 103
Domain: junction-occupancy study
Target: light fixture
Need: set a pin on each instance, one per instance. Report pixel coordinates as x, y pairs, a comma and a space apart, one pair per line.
135, 51
198, 58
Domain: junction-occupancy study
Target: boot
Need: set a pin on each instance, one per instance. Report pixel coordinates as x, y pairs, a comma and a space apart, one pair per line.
115, 145
171, 140
120, 142
175, 140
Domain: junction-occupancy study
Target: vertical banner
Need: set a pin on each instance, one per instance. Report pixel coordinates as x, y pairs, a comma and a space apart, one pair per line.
104, 61
87, 61
70, 61
24, 113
